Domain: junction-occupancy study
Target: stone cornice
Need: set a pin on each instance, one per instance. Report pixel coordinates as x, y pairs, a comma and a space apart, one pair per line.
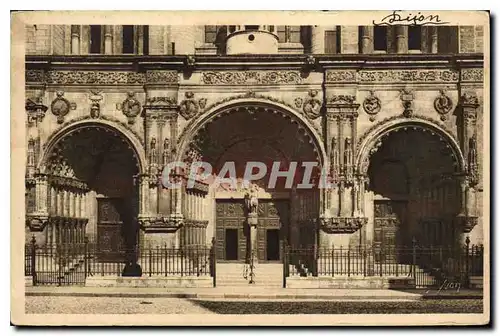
144, 62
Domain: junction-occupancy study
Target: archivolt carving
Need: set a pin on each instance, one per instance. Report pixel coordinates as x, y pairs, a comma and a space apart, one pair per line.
369, 132
249, 94
103, 117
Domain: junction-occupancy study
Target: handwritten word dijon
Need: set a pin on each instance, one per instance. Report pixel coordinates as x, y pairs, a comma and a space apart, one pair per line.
412, 19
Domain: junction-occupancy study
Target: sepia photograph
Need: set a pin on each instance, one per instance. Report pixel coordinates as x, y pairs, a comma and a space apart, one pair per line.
189, 169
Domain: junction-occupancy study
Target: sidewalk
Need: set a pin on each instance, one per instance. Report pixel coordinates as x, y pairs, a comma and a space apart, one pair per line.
256, 293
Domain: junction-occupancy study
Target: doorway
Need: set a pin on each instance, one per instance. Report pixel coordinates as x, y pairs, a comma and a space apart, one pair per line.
231, 243
273, 244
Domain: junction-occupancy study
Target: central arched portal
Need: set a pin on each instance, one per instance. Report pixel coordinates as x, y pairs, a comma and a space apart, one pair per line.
253, 220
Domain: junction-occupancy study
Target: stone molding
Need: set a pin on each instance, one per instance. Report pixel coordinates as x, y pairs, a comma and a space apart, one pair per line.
342, 224
159, 224
467, 223
194, 223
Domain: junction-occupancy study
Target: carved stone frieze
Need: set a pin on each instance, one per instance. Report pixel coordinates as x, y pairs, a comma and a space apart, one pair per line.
88, 77
443, 104
372, 105
392, 76
162, 77
340, 76
34, 76
261, 77
342, 224
341, 100
160, 102
471, 75
130, 107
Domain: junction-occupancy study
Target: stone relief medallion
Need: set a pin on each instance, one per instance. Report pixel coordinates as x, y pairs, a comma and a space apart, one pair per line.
443, 104
298, 102
189, 106
312, 105
372, 105
130, 107
60, 107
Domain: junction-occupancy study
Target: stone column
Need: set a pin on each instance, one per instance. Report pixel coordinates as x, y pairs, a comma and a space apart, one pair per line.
318, 39
434, 39
367, 39
401, 39
108, 39
75, 39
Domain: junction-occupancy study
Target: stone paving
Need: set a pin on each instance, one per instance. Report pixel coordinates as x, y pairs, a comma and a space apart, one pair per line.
93, 305
114, 305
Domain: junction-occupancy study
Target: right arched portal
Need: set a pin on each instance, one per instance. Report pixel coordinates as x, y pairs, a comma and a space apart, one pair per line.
414, 189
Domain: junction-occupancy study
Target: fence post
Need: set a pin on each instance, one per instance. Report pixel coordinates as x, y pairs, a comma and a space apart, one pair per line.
414, 261
85, 256
348, 261
33, 259
467, 273
364, 261
213, 262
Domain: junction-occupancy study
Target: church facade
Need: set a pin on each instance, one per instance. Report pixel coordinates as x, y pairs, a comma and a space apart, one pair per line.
393, 114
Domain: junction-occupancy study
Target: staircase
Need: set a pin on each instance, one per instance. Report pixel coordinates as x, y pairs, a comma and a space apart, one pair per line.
266, 275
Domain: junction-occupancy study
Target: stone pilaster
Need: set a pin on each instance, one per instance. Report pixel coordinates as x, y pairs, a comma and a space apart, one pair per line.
401, 39
318, 39
367, 39
75, 39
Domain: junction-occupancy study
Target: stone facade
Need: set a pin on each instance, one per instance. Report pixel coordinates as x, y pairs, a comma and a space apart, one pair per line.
150, 107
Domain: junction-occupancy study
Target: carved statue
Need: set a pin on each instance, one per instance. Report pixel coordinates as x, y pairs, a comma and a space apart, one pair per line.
166, 151
152, 151
251, 200
472, 160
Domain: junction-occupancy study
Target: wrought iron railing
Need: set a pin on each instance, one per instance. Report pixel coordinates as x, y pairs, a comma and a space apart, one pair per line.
71, 264
426, 265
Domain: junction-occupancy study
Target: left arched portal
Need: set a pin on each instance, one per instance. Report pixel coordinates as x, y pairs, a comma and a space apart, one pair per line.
89, 172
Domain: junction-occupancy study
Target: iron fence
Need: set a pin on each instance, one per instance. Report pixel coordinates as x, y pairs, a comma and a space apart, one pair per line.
427, 266
71, 264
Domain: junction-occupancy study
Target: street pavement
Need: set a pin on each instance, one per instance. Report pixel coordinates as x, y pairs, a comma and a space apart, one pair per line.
128, 305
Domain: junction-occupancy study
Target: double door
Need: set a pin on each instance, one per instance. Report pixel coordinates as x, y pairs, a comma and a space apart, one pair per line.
116, 229
233, 237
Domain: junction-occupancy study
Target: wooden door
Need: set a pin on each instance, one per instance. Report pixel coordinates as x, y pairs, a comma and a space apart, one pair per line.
387, 225
230, 214
110, 240
273, 215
